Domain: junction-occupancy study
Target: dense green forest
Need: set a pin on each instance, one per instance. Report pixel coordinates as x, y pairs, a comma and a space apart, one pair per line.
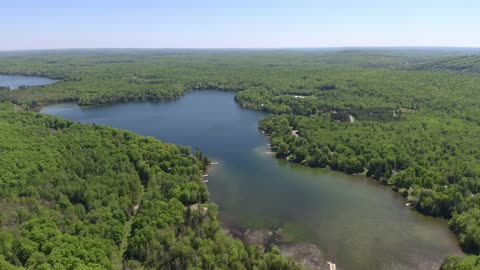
79, 196
407, 118
105, 76
468, 64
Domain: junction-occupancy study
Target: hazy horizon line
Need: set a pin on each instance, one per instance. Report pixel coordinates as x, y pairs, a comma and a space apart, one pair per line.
241, 48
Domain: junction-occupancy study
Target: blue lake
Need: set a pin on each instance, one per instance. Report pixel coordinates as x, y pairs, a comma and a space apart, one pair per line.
354, 221
15, 81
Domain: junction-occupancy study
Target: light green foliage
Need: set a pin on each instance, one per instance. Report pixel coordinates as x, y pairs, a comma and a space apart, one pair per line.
466, 263
408, 118
67, 191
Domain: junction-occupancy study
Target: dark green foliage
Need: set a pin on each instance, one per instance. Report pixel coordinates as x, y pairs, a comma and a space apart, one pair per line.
468, 64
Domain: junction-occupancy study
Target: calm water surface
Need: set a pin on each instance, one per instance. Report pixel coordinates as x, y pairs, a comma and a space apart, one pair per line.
356, 222
15, 81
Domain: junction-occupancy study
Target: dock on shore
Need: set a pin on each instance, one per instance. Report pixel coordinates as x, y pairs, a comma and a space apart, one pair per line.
332, 266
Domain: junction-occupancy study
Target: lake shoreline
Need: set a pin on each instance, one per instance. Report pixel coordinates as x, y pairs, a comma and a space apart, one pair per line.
364, 173
306, 254
215, 134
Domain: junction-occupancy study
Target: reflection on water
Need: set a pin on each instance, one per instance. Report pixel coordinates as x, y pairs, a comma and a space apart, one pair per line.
356, 222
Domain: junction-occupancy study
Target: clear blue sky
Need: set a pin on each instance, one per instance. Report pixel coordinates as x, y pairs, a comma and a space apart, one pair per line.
43, 24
